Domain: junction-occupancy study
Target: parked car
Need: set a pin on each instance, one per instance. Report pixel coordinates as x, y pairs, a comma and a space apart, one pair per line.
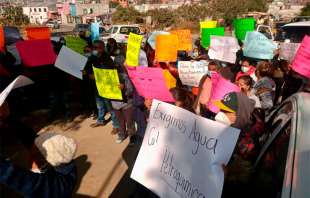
120, 32
53, 24
282, 168
295, 32
86, 27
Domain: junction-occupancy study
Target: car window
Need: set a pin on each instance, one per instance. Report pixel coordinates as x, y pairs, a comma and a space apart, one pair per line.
295, 34
127, 30
115, 29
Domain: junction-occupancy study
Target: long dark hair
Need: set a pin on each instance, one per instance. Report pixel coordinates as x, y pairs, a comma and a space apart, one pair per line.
187, 99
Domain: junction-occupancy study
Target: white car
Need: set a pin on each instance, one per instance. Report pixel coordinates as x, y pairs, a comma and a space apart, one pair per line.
120, 32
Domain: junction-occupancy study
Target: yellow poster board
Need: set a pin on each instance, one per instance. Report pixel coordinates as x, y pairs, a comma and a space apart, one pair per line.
166, 48
170, 81
208, 24
185, 39
133, 49
107, 83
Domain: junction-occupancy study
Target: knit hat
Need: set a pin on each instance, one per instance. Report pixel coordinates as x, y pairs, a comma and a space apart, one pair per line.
228, 103
57, 149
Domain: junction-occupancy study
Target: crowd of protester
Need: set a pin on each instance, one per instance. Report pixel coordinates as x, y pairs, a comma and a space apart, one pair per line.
264, 85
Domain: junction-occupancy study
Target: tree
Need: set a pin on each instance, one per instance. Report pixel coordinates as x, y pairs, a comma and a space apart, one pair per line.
13, 15
127, 15
306, 10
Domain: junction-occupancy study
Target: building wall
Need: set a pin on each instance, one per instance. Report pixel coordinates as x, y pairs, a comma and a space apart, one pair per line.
94, 9
36, 15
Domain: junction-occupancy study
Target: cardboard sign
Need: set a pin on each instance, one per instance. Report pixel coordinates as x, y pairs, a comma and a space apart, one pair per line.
133, 49
11, 35
94, 29
71, 62
36, 52
257, 45
185, 39
182, 153
150, 83
208, 24
107, 83
191, 72
242, 26
166, 48
34, 33
152, 38
2, 41
220, 87
76, 44
171, 82
288, 50
20, 81
301, 63
206, 34
223, 48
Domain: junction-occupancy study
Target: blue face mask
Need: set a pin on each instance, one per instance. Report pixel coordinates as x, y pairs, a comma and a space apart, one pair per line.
209, 73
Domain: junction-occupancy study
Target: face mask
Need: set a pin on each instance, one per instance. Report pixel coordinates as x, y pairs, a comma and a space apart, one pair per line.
222, 118
87, 54
210, 73
224, 65
95, 52
245, 69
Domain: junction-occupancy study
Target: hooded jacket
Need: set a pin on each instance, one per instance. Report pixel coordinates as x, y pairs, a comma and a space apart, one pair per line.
244, 112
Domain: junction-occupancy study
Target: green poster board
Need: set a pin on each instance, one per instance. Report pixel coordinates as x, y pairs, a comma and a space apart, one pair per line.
76, 44
206, 34
242, 26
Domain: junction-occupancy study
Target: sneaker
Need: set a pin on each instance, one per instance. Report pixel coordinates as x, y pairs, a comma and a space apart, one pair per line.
114, 131
120, 139
132, 140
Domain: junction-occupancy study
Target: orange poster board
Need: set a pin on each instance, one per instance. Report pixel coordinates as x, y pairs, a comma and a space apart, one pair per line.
166, 48
35, 33
185, 39
1, 38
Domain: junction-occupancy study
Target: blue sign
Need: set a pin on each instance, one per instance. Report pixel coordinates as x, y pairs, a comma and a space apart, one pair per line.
94, 29
73, 10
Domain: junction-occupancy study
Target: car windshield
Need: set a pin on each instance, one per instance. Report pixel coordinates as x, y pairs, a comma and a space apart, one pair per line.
295, 34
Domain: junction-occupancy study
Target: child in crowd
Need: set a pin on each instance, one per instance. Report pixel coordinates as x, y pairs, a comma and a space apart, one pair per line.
265, 87
248, 69
246, 84
183, 98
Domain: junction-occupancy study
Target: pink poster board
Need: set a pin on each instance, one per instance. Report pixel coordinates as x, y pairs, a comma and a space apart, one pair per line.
150, 83
36, 53
220, 87
301, 62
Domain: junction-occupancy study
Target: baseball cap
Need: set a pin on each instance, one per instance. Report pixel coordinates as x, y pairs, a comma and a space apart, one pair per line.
228, 103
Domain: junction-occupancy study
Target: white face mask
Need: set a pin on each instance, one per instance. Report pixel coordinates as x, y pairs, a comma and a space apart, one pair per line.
222, 118
95, 52
245, 69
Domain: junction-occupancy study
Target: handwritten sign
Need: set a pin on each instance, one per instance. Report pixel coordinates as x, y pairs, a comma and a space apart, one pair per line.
223, 48
182, 153
71, 62
185, 39
76, 44
107, 83
152, 38
288, 50
220, 87
36, 52
208, 24
166, 48
94, 30
191, 73
150, 83
20, 81
38, 33
207, 32
242, 26
301, 62
2, 41
257, 45
133, 49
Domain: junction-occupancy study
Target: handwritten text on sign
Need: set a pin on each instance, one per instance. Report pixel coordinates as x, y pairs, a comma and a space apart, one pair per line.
133, 49
191, 72
181, 154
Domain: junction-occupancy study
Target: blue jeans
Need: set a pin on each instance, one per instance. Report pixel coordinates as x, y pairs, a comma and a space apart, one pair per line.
104, 106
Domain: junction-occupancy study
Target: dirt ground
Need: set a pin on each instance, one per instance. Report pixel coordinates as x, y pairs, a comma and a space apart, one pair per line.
103, 166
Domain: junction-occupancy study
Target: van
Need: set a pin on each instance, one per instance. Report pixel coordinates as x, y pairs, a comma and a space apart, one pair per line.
295, 32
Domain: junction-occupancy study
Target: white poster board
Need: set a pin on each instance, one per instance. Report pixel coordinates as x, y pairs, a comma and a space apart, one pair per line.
182, 153
191, 72
223, 48
71, 62
288, 50
20, 81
